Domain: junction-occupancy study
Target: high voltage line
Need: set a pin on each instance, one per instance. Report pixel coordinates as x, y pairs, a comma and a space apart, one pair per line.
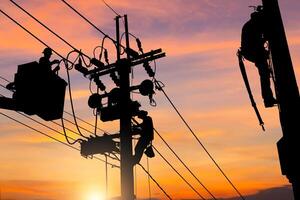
184, 164
113, 158
61, 142
202, 145
178, 173
177, 111
170, 101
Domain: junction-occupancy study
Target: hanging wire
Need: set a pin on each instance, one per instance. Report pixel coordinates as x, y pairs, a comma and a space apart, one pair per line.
160, 87
46, 27
106, 178
185, 165
176, 171
113, 10
43, 133
167, 195
182, 162
149, 184
35, 37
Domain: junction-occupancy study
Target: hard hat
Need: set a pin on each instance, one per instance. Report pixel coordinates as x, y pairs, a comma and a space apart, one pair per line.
47, 50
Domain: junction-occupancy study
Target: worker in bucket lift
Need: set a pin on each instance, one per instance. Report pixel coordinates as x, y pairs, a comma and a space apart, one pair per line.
253, 49
45, 60
146, 137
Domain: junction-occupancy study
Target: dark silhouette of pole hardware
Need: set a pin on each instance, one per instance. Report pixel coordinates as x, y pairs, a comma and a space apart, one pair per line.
245, 78
269, 25
120, 106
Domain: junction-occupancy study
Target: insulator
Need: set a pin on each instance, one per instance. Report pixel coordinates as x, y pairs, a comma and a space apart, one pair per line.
97, 63
100, 84
132, 53
80, 68
148, 69
115, 78
139, 44
106, 56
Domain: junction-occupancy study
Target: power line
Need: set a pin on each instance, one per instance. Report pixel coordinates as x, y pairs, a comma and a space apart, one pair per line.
58, 55
50, 30
30, 127
113, 165
29, 32
21, 8
202, 145
179, 174
88, 21
111, 8
155, 181
183, 163
80, 119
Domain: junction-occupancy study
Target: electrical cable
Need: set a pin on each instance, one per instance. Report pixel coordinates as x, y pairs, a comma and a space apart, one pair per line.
113, 10
149, 185
183, 163
155, 181
4, 79
201, 144
72, 105
113, 165
42, 24
38, 131
179, 174
89, 22
29, 32
80, 119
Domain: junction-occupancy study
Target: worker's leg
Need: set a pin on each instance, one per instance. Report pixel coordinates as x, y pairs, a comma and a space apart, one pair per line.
266, 90
139, 150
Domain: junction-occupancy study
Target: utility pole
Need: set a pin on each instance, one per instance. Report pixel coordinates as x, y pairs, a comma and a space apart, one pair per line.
287, 95
119, 105
124, 68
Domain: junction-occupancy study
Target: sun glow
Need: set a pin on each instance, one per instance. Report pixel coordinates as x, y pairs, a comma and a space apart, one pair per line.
96, 196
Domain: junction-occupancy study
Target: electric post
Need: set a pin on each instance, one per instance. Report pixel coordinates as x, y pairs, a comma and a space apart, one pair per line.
127, 185
287, 95
119, 104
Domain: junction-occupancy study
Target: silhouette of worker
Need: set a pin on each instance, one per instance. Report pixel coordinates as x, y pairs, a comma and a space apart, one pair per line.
45, 60
146, 137
253, 49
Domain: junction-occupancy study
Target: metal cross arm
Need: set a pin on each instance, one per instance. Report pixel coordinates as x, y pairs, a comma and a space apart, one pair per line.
146, 57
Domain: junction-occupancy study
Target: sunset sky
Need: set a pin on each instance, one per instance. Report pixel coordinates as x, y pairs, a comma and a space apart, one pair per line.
202, 77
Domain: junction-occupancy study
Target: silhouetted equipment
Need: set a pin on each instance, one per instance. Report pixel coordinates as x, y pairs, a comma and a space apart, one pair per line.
286, 91
253, 49
245, 78
38, 91
119, 105
80, 68
99, 145
111, 113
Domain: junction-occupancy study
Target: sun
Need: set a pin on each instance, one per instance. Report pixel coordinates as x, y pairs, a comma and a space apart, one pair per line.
96, 196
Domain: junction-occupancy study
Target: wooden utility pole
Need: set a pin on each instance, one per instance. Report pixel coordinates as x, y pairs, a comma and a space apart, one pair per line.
287, 95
